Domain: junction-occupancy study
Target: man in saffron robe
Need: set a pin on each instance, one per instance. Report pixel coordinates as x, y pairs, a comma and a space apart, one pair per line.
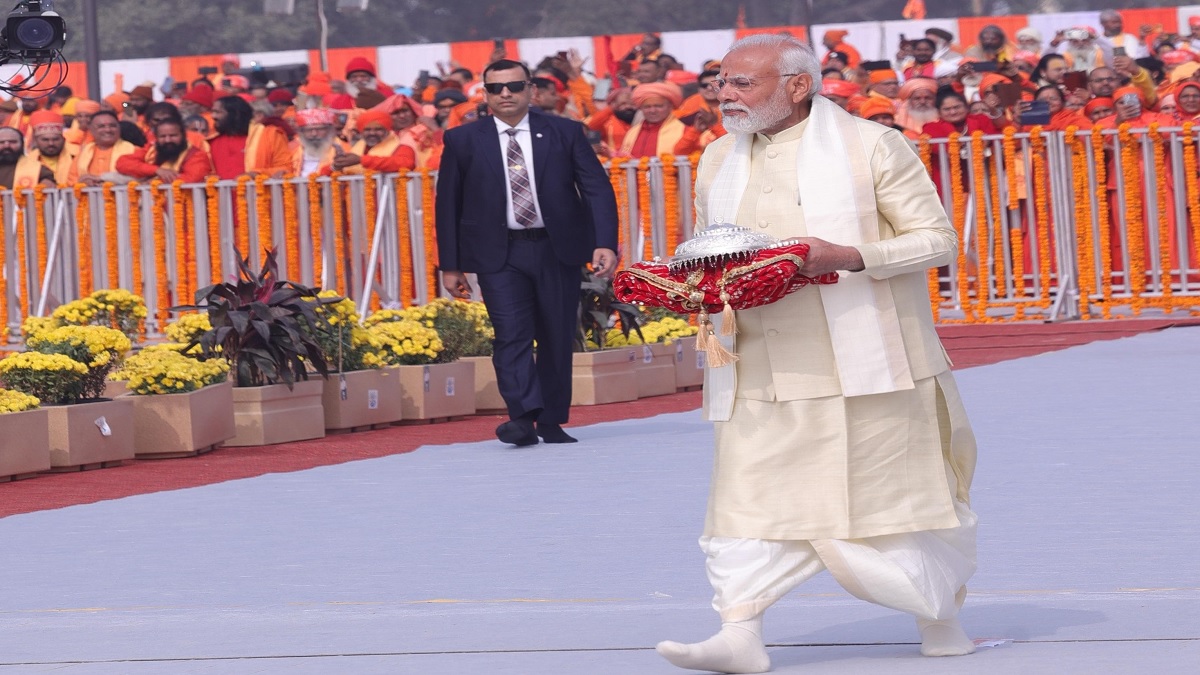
242, 147
659, 132
97, 160
82, 120
170, 158
50, 147
835, 41
377, 149
318, 137
19, 171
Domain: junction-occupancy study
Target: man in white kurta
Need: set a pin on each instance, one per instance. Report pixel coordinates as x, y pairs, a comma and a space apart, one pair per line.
841, 442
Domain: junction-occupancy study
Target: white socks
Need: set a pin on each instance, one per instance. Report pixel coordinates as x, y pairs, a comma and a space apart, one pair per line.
738, 648
944, 638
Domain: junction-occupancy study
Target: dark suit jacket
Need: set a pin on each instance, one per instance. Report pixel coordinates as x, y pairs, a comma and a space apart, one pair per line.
573, 193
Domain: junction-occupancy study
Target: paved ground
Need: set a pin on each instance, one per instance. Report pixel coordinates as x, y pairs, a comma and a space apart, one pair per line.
469, 558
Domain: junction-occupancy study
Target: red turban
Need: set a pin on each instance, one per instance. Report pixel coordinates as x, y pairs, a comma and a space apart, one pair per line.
46, 118
86, 107
841, 88
681, 77
359, 64
280, 95
664, 90
876, 105
1097, 103
1194, 21
917, 83
1176, 57
1027, 57
201, 96
315, 117
1127, 89
368, 117
884, 75
340, 102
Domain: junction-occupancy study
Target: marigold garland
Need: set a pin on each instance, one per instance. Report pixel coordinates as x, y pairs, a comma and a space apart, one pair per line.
997, 233
431, 259
1193, 192
291, 228
925, 151
39, 201
135, 243
341, 271
1041, 211
241, 228
213, 204
671, 202
162, 287
316, 228
371, 215
22, 259
3, 274
644, 208
1018, 253
84, 238
958, 197
185, 257
408, 281
981, 227
1135, 280
616, 176
1103, 225
262, 208
1010, 167
111, 245
1085, 252
1164, 221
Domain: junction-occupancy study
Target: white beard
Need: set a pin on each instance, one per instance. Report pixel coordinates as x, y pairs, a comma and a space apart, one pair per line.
771, 113
315, 150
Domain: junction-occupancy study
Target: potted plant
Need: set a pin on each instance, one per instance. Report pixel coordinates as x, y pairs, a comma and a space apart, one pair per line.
26, 434
360, 392
66, 370
660, 350
182, 406
264, 328
112, 307
433, 387
601, 375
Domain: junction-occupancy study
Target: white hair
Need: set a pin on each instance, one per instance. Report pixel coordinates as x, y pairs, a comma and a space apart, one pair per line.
794, 56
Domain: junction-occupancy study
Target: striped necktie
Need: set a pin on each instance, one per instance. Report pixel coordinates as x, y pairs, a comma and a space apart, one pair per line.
518, 176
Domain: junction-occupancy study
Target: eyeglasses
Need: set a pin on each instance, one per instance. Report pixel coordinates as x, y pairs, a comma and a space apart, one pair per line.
495, 88
741, 82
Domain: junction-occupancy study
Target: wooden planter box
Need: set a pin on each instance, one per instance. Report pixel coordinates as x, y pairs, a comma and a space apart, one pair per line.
655, 366
438, 391
115, 388
487, 393
274, 414
606, 376
25, 448
370, 398
689, 364
182, 425
90, 435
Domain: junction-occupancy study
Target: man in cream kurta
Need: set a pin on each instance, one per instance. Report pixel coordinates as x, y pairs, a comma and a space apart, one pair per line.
841, 442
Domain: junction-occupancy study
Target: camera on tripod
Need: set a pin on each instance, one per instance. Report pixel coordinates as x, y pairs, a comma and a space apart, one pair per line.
31, 32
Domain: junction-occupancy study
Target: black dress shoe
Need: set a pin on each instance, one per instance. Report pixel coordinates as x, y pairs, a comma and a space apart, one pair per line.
517, 432
553, 433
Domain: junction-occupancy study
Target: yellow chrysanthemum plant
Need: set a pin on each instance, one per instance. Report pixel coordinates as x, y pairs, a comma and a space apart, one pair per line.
186, 329
665, 330
463, 326
97, 348
111, 307
347, 345
164, 370
407, 343
12, 401
51, 378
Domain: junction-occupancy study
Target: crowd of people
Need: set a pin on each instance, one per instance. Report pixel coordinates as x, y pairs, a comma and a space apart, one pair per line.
225, 125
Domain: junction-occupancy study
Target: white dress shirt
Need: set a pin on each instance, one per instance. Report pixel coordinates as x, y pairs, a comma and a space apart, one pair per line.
526, 142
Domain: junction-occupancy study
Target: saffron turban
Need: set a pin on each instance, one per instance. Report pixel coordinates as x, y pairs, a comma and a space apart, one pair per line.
664, 90
201, 96
369, 117
1176, 57
317, 85
883, 75
836, 35
315, 117
1181, 73
359, 64
1122, 91
876, 105
1027, 57
1176, 91
1098, 103
87, 107
916, 84
681, 77
840, 88
116, 101
45, 119
990, 80
397, 102
280, 95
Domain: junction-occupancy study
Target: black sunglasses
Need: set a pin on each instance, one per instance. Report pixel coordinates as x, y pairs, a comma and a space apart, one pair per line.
495, 88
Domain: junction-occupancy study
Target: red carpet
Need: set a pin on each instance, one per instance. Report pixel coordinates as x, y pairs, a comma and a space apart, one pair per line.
967, 345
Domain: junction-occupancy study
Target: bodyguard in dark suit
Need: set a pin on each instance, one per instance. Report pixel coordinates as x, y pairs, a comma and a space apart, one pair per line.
523, 203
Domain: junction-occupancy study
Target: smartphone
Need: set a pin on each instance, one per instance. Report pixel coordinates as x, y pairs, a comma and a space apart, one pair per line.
876, 65
1074, 80
1118, 51
1038, 113
985, 66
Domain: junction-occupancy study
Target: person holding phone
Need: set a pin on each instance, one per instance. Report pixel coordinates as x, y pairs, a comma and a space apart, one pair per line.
954, 117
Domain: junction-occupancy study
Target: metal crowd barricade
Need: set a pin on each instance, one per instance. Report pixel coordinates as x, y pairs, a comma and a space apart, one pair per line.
1050, 227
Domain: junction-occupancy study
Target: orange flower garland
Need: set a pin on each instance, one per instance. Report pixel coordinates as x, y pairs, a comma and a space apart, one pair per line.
671, 202
1041, 211
162, 283
135, 236
213, 203
643, 187
371, 215
39, 201
316, 221
242, 226
1102, 223
1018, 253
1085, 247
1193, 190
111, 247
981, 227
431, 259
3, 269
1164, 221
616, 175
84, 237
340, 271
958, 198
262, 208
185, 257
408, 282
925, 151
291, 229
22, 258
1010, 167
1134, 219
997, 232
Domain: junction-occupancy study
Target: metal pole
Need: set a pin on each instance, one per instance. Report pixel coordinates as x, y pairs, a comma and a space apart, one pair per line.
91, 48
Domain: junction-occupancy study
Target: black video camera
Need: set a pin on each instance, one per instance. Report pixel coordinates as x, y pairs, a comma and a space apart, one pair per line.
31, 31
